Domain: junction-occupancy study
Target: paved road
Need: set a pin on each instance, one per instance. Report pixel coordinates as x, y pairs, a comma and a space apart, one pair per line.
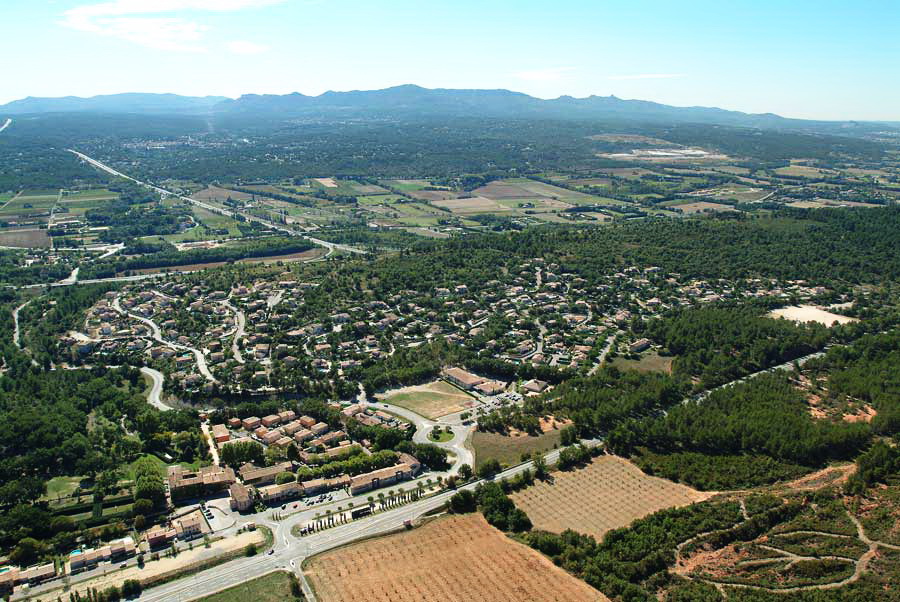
239, 331
17, 334
289, 552
72, 278
602, 357
250, 218
153, 397
5, 125
157, 336
457, 445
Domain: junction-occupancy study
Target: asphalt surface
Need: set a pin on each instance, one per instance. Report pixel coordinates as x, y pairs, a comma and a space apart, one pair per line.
153, 397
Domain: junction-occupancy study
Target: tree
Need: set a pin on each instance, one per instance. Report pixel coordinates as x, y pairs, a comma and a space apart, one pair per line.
284, 477
540, 466
463, 501
27, 552
465, 472
489, 469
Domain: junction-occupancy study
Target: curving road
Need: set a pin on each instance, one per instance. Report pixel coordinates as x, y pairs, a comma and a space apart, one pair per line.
6, 125
239, 331
157, 336
155, 393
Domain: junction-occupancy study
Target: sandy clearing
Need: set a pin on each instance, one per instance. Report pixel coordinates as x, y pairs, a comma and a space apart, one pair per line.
810, 313
326, 182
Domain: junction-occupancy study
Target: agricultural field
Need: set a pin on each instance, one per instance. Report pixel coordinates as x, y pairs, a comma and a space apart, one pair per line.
509, 449
704, 207
25, 238
607, 494
216, 194
649, 362
431, 400
472, 205
273, 587
454, 558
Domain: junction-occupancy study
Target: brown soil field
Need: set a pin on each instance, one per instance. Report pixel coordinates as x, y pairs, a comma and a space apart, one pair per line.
609, 493
504, 190
433, 195
326, 182
703, 206
214, 193
25, 238
454, 558
472, 205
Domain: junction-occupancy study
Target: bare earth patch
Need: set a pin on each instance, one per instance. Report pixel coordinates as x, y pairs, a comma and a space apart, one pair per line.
471, 205
455, 558
431, 400
609, 493
809, 313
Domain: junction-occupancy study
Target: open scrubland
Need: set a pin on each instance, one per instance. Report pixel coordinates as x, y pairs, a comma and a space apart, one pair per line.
455, 558
609, 493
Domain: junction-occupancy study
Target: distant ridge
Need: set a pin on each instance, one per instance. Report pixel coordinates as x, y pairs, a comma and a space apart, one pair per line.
407, 101
113, 103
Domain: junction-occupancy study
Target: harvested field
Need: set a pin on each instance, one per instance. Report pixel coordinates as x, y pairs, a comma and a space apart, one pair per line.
704, 207
24, 238
808, 313
509, 449
504, 190
454, 558
472, 205
433, 195
431, 400
302, 256
326, 182
214, 193
609, 493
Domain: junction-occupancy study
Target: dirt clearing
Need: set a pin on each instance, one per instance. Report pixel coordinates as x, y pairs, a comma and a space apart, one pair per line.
607, 494
431, 400
454, 558
809, 313
471, 205
25, 238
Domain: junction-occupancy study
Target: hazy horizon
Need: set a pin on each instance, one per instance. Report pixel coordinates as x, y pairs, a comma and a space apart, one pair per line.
805, 59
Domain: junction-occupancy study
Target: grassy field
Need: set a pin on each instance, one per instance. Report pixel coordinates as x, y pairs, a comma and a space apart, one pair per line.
430, 400
61, 487
273, 587
509, 450
650, 362
607, 494
452, 559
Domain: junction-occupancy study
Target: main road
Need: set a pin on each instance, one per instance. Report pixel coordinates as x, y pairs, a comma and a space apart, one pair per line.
289, 552
5, 125
250, 218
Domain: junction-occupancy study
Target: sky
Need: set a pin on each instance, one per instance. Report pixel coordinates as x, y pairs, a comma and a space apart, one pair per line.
822, 59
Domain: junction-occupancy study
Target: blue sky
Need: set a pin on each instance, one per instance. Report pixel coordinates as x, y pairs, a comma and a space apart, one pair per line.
816, 59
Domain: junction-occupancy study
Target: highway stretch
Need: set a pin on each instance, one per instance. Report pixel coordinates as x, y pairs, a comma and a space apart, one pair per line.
5, 125
250, 218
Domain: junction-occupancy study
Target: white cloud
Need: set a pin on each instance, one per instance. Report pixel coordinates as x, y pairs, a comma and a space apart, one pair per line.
246, 47
545, 75
139, 21
648, 76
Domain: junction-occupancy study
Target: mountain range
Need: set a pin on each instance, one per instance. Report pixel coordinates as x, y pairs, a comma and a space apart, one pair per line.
408, 101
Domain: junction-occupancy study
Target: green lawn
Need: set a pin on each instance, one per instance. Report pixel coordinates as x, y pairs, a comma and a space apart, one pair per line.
274, 587
61, 487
